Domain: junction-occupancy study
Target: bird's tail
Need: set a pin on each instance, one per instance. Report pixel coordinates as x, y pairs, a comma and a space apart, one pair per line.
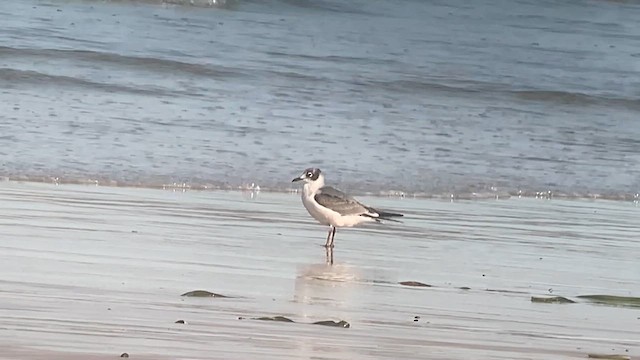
385, 215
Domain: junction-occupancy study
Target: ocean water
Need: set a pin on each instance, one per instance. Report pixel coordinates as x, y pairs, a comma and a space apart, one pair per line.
428, 98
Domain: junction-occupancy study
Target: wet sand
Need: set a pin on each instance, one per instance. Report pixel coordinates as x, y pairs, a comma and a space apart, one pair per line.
93, 272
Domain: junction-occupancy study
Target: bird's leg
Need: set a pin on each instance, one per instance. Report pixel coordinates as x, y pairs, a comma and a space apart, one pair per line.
330, 235
326, 244
329, 256
333, 236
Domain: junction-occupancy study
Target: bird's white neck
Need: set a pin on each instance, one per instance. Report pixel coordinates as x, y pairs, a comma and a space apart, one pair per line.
311, 188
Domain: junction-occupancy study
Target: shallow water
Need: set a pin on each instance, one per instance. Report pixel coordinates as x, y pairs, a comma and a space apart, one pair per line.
99, 270
422, 97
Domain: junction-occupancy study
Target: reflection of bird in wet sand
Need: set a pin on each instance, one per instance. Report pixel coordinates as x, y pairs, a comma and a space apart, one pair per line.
332, 207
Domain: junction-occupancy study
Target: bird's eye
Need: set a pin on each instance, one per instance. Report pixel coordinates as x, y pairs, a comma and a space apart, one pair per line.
309, 174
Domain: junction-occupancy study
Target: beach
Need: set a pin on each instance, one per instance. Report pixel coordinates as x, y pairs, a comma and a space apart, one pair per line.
94, 272
147, 149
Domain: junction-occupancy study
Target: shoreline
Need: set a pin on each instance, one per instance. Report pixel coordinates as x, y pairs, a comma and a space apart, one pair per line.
254, 188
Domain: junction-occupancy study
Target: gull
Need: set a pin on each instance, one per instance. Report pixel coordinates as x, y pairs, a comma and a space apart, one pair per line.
334, 208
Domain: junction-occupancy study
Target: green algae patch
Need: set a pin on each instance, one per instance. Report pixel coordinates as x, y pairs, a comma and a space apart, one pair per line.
274, 318
414, 284
341, 323
202, 293
625, 301
506, 291
609, 356
551, 300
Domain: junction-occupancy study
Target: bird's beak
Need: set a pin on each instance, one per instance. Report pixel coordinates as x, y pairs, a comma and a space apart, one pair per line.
299, 178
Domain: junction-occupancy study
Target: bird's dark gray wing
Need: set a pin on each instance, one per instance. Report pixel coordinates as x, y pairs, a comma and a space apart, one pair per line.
339, 202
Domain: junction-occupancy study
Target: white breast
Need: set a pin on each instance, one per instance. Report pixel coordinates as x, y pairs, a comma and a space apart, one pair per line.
321, 214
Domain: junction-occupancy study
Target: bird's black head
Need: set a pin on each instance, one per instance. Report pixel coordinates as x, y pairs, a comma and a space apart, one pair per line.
310, 174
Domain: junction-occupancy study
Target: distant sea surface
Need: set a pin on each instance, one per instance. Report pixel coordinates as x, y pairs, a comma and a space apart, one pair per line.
433, 98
